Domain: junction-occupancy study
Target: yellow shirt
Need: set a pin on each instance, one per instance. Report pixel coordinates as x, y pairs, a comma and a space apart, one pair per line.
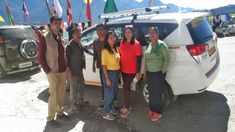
111, 61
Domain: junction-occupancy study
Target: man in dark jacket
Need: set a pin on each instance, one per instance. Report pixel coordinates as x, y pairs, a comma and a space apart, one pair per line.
76, 63
97, 48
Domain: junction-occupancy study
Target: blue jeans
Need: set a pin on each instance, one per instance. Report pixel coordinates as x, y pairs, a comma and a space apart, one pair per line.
110, 92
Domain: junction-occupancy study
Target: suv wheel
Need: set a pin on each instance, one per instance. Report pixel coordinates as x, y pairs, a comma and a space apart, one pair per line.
28, 49
2, 72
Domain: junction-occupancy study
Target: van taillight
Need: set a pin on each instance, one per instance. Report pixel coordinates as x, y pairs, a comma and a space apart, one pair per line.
1, 40
196, 49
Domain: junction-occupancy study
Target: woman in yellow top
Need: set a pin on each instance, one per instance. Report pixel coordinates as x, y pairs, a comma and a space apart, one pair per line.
110, 66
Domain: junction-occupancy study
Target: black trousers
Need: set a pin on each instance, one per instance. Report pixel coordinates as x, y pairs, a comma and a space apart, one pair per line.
102, 83
155, 85
127, 80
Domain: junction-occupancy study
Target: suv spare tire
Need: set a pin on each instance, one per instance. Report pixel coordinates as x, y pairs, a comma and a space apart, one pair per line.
28, 49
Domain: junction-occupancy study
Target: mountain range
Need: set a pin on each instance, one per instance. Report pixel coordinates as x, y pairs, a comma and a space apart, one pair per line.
38, 12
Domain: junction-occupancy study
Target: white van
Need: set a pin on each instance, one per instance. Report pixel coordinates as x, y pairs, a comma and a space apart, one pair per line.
193, 49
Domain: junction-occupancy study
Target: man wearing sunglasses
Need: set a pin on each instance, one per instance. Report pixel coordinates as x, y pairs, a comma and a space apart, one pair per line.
51, 57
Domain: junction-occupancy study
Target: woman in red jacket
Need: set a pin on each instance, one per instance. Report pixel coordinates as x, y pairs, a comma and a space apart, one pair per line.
130, 52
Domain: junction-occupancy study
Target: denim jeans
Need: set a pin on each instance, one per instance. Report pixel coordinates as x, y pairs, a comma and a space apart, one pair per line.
110, 92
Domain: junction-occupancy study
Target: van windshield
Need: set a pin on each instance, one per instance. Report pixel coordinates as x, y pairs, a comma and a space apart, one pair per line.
200, 30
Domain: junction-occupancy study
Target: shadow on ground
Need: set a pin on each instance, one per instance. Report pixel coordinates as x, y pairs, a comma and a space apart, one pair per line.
205, 112
44, 95
89, 114
19, 77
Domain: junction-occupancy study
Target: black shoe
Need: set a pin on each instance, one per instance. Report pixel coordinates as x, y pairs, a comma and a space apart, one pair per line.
53, 123
63, 116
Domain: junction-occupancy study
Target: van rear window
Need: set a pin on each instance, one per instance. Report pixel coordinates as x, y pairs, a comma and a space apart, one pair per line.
200, 30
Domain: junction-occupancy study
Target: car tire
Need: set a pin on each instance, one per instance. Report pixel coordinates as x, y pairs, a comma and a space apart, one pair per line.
168, 96
2, 73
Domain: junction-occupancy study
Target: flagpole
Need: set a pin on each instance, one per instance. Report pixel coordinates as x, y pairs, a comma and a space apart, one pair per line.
48, 8
81, 11
24, 19
11, 21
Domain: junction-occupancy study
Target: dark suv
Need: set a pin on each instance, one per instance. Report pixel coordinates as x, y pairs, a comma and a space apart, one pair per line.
18, 49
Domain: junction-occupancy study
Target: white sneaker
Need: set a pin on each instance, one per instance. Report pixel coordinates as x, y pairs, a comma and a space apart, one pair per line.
109, 116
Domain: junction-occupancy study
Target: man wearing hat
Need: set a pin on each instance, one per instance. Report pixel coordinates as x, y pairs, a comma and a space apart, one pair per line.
51, 57
76, 63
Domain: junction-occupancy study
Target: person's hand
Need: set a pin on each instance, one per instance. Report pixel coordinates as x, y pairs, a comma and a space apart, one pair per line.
137, 76
108, 82
94, 69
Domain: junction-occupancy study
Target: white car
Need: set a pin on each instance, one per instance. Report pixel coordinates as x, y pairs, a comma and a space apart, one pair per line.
193, 49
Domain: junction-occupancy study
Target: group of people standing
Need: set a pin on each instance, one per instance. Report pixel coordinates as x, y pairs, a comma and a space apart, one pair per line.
112, 62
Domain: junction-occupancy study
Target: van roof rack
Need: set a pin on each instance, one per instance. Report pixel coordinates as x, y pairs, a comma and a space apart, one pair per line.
133, 12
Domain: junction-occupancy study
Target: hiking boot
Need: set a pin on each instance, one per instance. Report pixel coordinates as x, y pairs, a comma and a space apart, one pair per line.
53, 123
109, 116
64, 117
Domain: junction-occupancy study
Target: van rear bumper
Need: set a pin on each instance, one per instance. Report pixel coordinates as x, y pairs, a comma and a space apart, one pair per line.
193, 82
213, 69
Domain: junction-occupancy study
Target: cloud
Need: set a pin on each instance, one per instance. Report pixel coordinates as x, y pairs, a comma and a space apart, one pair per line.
134, 0
199, 4
139, 1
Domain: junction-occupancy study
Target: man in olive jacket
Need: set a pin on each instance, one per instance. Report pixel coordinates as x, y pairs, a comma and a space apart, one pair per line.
76, 63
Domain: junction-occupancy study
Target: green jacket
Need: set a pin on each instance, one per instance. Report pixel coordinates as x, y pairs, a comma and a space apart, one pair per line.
156, 58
